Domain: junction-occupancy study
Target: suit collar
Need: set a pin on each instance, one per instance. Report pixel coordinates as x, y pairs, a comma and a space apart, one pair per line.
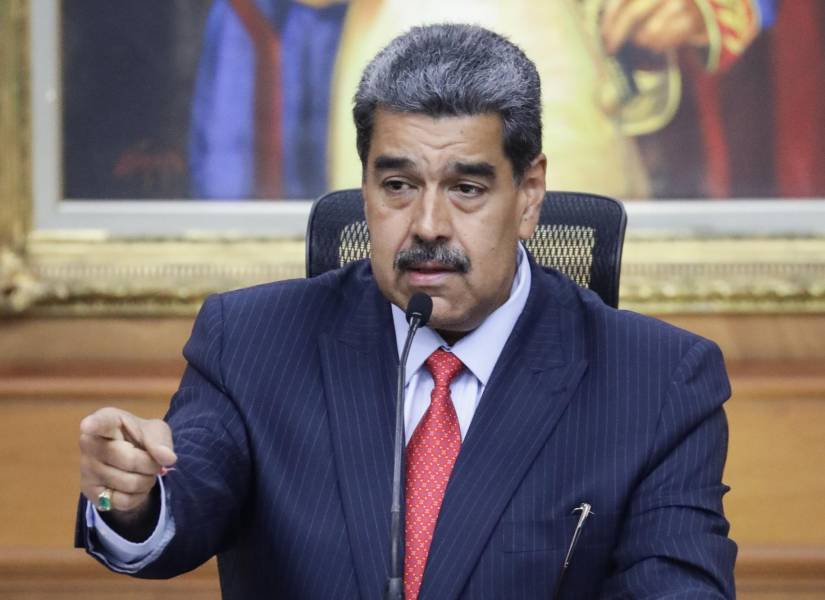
359, 363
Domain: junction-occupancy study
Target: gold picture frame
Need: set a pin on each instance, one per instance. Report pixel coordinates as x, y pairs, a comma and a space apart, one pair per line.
83, 273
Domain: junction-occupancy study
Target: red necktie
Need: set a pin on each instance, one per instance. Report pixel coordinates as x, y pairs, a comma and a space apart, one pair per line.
431, 455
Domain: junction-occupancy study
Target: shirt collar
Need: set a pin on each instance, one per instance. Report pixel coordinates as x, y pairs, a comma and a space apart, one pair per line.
478, 350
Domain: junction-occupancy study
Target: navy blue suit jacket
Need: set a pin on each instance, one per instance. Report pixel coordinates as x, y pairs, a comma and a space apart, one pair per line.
283, 428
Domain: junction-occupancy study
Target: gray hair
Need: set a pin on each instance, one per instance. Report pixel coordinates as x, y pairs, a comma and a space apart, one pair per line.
454, 70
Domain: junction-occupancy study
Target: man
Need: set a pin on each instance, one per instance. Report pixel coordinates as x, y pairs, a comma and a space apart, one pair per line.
527, 396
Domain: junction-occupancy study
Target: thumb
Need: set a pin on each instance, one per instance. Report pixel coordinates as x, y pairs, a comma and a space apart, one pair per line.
157, 441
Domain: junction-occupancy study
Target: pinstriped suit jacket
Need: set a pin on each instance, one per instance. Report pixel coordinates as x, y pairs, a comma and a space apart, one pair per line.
283, 428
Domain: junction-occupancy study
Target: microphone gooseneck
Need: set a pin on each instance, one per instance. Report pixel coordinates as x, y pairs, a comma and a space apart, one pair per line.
419, 310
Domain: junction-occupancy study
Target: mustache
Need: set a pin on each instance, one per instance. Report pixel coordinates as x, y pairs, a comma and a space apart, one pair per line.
438, 252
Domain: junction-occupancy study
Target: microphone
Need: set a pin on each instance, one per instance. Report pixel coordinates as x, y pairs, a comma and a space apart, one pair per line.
418, 313
420, 307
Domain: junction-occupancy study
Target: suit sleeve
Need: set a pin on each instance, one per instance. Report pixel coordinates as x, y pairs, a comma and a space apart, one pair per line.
675, 541
207, 490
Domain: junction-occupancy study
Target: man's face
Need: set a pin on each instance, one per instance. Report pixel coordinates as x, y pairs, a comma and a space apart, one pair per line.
445, 213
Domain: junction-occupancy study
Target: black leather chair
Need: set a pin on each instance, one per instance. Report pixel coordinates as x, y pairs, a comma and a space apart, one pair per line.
579, 234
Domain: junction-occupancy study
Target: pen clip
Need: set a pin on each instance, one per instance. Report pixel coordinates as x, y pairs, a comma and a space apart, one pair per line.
585, 510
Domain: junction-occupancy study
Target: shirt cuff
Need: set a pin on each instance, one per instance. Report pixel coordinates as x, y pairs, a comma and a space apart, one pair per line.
122, 554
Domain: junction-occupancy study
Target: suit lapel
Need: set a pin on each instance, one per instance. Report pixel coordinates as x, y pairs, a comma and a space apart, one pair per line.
528, 392
359, 362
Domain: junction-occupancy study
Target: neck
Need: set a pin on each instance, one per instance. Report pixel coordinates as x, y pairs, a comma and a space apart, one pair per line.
451, 337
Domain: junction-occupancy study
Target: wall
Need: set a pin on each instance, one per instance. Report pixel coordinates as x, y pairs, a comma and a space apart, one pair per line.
54, 371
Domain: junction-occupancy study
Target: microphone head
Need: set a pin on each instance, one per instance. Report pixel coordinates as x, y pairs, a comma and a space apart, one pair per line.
421, 306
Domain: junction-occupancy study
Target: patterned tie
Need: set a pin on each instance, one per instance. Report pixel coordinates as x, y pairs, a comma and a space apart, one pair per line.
431, 455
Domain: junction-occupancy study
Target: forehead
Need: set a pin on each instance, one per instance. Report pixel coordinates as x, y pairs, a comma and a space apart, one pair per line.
435, 141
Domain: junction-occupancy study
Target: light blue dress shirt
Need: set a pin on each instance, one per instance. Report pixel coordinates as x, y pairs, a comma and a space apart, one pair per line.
479, 350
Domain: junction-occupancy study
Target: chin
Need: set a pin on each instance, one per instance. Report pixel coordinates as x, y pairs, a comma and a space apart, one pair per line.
438, 321
442, 321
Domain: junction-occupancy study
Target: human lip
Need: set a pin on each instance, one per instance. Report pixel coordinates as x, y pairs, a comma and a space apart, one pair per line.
429, 273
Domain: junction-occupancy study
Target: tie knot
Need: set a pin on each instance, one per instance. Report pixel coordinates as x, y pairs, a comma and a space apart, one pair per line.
443, 366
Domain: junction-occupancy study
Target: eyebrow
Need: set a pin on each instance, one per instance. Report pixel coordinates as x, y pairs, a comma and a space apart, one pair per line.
477, 169
384, 162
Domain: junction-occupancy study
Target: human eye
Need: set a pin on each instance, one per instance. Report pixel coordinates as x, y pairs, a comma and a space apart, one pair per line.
396, 186
469, 190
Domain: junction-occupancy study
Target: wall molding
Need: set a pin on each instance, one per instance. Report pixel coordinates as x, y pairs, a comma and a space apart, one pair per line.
91, 274
756, 568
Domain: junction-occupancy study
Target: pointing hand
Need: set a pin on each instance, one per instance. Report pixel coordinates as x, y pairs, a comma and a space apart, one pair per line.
123, 453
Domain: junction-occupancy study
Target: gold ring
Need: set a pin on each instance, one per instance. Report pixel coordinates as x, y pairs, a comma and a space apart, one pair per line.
104, 500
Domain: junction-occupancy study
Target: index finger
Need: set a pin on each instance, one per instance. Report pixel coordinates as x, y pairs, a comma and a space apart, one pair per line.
121, 455
106, 423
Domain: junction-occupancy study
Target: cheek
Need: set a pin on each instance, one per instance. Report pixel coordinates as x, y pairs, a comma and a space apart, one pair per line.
382, 257
493, 257
486, 244
387, 236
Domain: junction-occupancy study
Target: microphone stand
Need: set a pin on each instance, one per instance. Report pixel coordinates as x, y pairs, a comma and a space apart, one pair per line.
418, 313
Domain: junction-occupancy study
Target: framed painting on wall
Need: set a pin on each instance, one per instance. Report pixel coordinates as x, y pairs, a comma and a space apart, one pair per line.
175, 147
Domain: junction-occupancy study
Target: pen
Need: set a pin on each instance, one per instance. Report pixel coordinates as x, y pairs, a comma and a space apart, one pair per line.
584, 510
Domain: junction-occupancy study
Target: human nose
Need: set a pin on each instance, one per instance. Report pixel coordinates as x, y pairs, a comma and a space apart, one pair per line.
432, 219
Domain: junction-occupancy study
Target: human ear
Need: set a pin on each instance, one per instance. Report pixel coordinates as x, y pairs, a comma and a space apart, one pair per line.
531, 192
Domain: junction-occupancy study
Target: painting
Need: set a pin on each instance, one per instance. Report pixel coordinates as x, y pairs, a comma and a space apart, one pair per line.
251, 99
173, 148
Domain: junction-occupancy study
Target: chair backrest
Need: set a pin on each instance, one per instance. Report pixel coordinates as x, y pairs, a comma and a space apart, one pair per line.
579, 234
